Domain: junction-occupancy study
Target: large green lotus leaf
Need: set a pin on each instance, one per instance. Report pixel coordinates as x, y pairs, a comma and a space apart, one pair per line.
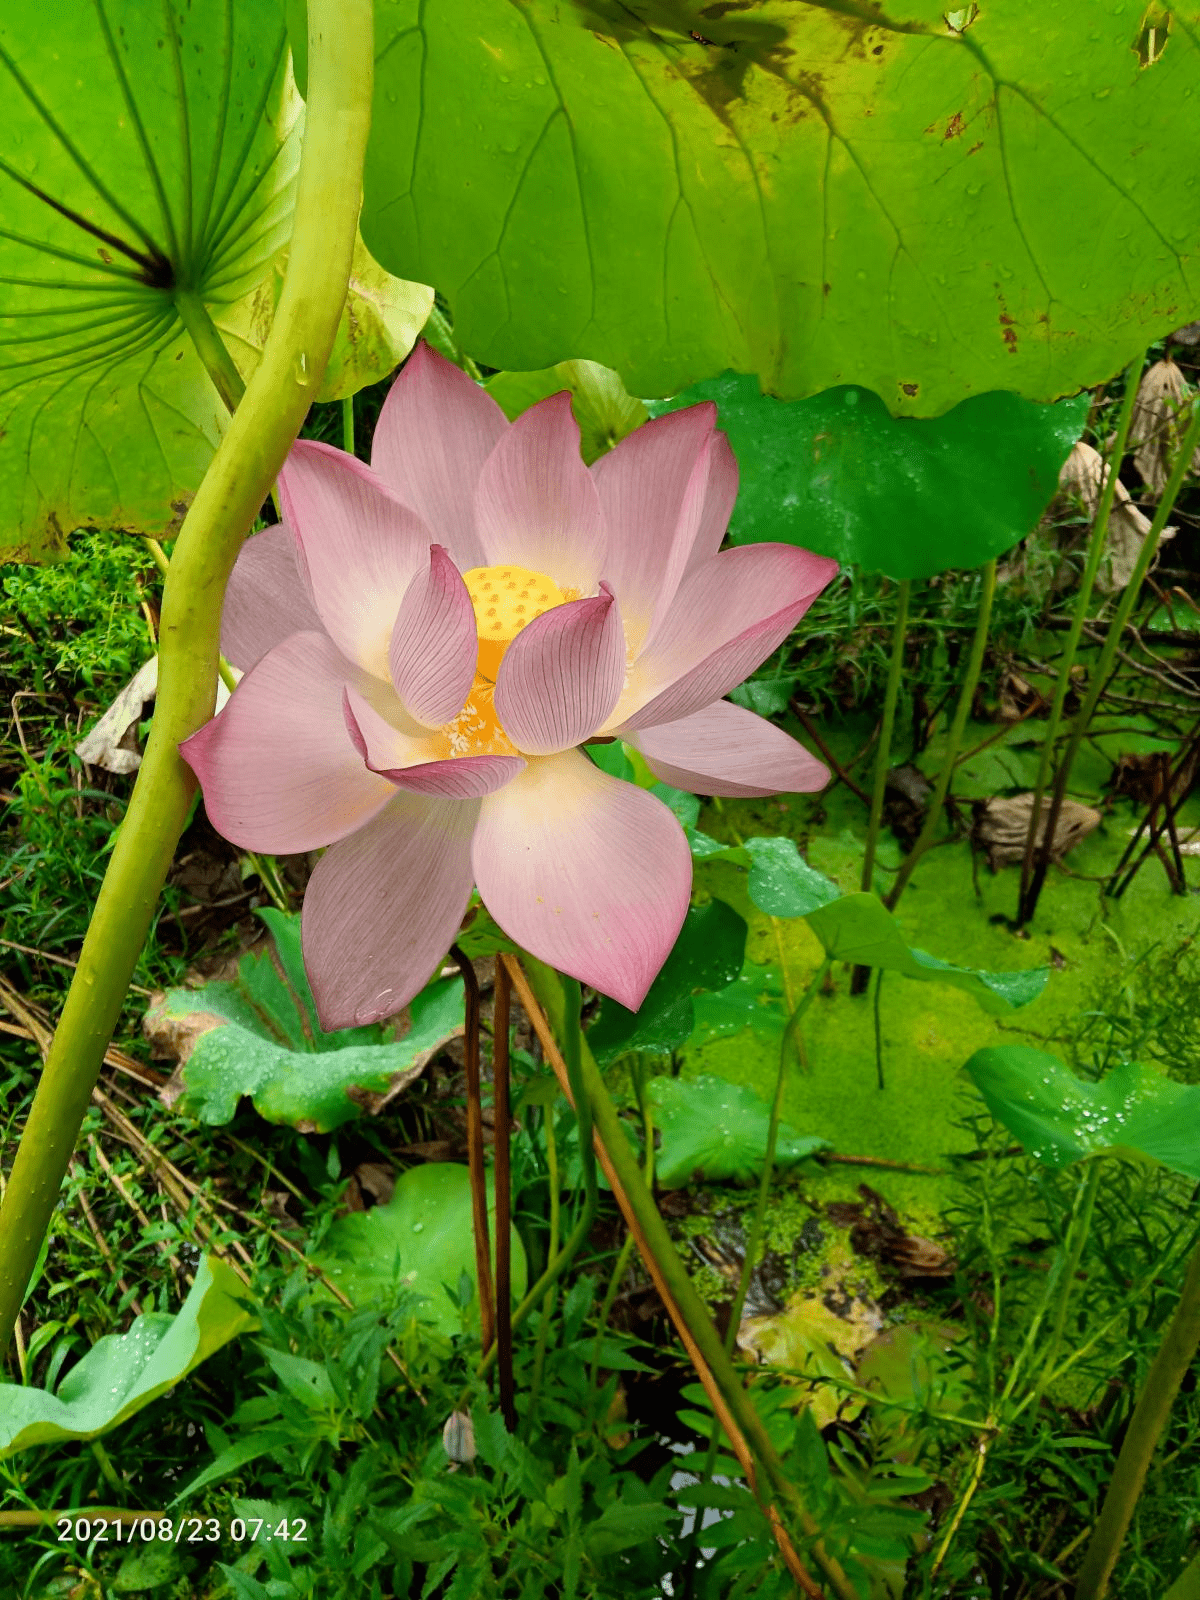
420, 1241
1060, 1118
258, 1035
838, 475
715, 1130
927, 203
708, 954
145, 149
123, 1372
142, 148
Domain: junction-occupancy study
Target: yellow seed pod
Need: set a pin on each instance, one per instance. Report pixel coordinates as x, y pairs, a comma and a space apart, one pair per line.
504, 600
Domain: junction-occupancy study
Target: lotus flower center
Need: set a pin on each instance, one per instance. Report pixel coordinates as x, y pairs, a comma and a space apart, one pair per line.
504, 600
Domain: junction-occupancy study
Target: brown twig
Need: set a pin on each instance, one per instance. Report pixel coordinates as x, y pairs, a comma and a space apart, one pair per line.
479, 1210
831, 1156
840, 772
500, 1117
733, 1433
102, 1242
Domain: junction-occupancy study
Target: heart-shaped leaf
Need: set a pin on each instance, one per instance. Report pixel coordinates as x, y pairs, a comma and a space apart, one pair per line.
1060, 1118
840, 476
420, 1241
928, 203
859, 929
852, 927
715, 1130
708, 954
258, 1035
123, 1372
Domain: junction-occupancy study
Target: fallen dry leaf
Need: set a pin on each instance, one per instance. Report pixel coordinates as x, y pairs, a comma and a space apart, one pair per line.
102, 745
1083, 476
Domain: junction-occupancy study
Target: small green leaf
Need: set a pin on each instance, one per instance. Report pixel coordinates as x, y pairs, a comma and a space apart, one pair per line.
708, 954
257, 1035
1060, 1118
122, 1373
482, 936
419, 1241
152, 1566
604, 411
622, 1525
782, 883
840, 476
717, 1131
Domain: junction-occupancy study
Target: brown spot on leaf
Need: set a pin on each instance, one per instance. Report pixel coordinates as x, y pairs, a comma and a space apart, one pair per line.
910, 389
975, 147
954, 127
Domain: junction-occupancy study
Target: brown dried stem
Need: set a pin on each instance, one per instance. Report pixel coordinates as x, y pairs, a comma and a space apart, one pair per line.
500, 1079
479, 1207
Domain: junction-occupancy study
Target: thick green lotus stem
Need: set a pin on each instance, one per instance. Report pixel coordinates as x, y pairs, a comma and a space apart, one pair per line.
1187, 1584
210, 347
546, 986
883, 757
1108, 654
1097, 540
1171, 1364
235, 486
954, 741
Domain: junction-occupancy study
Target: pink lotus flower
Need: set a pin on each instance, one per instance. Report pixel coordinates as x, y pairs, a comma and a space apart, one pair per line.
427, 642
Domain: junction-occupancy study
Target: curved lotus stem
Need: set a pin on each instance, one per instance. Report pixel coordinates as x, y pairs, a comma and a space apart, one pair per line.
235, 486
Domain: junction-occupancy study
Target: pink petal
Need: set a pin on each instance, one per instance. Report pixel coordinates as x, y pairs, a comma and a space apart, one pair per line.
725, 620
536, 505
726, 749
403, 761
277, 767
588, 873
719, 496
562, 675
358, 545
652, 492
434, 643
383, 907
435, 431
267, 598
